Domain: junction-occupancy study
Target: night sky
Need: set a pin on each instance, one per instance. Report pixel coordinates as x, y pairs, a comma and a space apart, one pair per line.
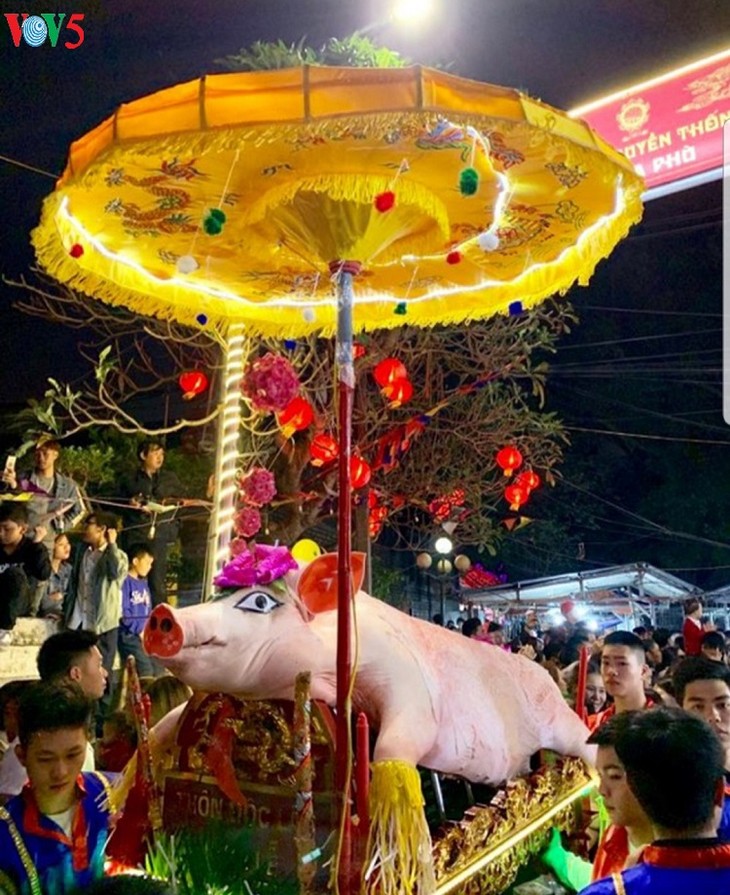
565, 52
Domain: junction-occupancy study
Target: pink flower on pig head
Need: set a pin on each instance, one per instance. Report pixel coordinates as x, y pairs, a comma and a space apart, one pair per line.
270, 382
247, 522
258, 486
261, 564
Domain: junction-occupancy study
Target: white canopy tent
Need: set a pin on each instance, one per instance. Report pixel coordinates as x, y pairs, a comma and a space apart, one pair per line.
622, 590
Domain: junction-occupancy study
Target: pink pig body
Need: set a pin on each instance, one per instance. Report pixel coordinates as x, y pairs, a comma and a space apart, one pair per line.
436, 698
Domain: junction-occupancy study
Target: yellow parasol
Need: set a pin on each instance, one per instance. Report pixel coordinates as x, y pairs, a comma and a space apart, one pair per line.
251, 201
294, 160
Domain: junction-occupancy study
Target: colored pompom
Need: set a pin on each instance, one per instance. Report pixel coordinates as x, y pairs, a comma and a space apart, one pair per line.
186, 264
515, 309
290, 344
401, 309
213, 221
76, 250
212, 226
488, 242
385, 201
453, 257
309, 315
202, 319
468, 181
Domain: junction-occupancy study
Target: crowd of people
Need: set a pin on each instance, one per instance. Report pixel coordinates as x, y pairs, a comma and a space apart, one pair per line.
656, 704
87, 570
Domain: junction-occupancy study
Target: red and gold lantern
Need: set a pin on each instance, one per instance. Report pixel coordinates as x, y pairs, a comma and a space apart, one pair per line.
323, 449
360, 472
398, 392
516, 495
388, 371
296, 416
528, 479
192, 383
509, 459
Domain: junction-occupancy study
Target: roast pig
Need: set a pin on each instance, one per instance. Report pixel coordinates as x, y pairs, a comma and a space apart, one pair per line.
436, 698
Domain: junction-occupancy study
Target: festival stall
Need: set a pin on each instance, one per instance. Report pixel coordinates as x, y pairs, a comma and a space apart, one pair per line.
332, 201
624, 592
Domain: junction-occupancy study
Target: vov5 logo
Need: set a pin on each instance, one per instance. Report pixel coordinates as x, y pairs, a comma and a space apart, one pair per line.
35, 30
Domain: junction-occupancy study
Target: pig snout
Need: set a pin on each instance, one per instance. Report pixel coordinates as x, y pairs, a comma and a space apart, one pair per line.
163, 635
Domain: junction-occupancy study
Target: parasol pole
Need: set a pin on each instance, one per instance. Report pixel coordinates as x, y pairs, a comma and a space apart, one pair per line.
229, 424
345, 272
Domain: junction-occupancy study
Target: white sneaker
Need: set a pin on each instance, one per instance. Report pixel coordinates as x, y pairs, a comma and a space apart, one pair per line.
6, 637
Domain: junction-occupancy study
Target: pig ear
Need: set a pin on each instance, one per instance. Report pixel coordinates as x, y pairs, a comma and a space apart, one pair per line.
317, 586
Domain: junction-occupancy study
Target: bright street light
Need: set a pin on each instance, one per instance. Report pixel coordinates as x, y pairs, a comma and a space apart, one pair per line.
412, 11
443, 546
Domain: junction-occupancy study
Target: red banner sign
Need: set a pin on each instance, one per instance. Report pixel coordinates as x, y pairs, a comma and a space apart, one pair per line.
669, 127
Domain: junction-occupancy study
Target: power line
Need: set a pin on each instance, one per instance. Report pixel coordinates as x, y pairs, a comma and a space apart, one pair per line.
680, 334
649, 437
659, 528
653, 311
19, 164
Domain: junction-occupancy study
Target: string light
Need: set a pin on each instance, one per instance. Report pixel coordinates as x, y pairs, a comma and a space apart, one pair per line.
225, 506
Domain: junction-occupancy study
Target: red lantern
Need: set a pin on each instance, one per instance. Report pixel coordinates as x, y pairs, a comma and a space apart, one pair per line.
360, 472
193, 383
388, 371
516, 495
297, 415
376, 518
398, 392
323, 449
509, 459
528, 479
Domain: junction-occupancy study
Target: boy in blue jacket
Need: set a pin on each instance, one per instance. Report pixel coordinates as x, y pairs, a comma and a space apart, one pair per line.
136, 608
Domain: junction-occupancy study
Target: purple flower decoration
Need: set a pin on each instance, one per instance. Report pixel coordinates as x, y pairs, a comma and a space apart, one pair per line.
270, 382
258, 486
262, 564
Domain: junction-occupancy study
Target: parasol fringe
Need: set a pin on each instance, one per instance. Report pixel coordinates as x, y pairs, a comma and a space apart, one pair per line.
153, 298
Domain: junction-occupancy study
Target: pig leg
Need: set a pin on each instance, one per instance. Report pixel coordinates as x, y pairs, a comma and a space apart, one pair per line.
560, 728
405, 735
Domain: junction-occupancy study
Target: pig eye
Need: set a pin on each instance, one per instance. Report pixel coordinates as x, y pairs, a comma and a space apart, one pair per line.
257, 601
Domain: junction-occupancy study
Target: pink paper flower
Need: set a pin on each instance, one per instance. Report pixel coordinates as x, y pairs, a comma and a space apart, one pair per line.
262, 564
270, 382
247, 522
258, 486
237, 546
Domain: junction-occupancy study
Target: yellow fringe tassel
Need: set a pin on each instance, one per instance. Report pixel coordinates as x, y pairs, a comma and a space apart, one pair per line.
122, 786
399, 859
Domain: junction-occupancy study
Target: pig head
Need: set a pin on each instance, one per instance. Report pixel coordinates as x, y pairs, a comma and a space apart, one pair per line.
436, 698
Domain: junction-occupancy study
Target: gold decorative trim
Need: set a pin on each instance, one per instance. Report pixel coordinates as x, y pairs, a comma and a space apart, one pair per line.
482, 854
30, 869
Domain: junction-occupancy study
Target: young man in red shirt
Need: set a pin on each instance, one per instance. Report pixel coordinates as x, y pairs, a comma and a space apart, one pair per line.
623, 665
